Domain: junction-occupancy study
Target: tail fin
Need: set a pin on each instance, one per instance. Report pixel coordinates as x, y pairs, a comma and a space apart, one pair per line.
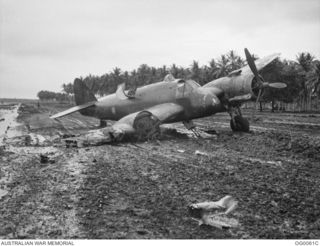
82, 93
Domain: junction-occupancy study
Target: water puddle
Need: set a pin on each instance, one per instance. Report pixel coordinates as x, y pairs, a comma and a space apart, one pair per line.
8, 123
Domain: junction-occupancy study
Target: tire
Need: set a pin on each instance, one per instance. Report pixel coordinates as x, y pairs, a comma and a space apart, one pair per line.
241, 124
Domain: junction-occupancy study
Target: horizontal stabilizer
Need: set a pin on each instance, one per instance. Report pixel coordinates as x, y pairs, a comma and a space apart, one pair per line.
72, 110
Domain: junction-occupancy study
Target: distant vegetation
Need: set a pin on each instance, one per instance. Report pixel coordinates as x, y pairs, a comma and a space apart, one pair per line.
56, 96
302, 77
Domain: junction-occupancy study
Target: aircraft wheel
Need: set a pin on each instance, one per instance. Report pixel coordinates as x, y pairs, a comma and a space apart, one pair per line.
147, 126
241, 124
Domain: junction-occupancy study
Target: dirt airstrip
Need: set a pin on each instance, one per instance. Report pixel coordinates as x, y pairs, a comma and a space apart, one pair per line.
142, 189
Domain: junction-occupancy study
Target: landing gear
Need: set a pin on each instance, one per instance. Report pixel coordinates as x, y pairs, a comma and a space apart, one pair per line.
237, 122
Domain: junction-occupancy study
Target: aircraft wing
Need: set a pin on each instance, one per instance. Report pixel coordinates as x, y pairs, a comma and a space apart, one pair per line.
145, 121
260, 63
72, 110
162, 113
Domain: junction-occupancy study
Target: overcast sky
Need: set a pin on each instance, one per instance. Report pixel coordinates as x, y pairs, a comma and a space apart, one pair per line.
44, 43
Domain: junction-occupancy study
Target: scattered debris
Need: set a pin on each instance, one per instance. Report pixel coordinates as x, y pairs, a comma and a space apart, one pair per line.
197, 152
30, 139
219, 220
94, 138
46, 159
263, 162
209, 213
276, 163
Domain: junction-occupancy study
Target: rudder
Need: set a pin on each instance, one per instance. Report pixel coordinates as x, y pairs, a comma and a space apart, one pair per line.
82, 93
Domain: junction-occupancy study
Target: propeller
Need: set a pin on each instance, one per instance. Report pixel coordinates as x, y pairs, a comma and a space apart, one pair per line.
277, 85
260, 83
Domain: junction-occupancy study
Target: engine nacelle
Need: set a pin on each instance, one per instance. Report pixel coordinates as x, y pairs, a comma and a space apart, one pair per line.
236, 85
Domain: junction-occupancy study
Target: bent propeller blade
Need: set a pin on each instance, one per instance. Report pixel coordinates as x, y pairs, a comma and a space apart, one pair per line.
251, 63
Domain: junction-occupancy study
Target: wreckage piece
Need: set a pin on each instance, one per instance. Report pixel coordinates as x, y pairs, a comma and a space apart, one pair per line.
219, 220
95, 137
227, 202
44, 159
215, 213
30, 139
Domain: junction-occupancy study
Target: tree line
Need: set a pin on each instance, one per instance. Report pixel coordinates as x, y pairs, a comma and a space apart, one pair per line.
54, 96
302, 77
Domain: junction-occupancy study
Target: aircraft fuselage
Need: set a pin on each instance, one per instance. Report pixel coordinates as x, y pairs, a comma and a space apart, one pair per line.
196, 101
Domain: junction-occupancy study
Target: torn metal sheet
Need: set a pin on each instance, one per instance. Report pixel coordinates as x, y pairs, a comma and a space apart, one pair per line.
216, 214
95, 137
197, 152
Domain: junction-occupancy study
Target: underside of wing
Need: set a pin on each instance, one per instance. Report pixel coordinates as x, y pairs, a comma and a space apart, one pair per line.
260, 64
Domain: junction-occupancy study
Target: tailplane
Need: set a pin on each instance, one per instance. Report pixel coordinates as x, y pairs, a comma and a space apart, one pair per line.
84, 99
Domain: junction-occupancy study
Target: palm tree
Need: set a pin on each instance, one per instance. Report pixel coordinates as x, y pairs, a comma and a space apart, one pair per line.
68, 89
223, 67
143, 74
305, 60
313, 81
236, 61
313, 77
174, 70
213, 68
196, 72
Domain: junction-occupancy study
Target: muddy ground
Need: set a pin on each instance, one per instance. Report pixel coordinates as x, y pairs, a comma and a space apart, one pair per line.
142, 189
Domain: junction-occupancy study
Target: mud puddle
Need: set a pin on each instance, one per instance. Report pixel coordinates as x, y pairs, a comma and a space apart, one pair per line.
8, 123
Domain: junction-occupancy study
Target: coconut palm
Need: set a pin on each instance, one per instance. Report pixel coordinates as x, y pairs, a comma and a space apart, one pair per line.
235, 61
223, 65
305, 61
